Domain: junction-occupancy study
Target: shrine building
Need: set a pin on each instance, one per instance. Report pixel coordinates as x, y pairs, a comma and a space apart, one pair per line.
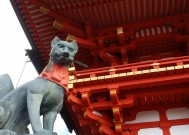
137, 52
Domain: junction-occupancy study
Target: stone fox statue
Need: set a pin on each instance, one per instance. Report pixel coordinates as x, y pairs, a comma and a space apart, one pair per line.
41, 96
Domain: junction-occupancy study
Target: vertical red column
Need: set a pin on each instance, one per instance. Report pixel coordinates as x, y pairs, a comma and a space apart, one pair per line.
164, 124
166, 130
134, 132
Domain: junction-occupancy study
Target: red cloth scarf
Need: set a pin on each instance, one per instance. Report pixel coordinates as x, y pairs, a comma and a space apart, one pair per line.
58, 74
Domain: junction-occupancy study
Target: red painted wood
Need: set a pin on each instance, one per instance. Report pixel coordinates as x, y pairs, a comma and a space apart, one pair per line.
93, 13
142, 9
125, 11
152, 82
105, 14
154, 7
148, 9
165, 4
101, 19
176, 7
120, 12
116, 19
136, 4
131, 15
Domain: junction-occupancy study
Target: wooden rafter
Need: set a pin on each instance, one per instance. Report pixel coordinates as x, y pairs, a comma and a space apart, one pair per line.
75, 28
85, 43
170, 20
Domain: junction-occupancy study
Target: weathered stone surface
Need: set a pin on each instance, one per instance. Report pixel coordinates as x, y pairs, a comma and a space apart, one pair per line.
41, 96
5, 85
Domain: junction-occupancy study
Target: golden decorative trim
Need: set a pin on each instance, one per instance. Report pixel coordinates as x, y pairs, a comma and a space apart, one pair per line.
120, 30
44, 10
70, 86
71, 77
118, 127
70, 38
155, 64
71, 69
84, 95
115, 109
112, 70
113, 91
57, 25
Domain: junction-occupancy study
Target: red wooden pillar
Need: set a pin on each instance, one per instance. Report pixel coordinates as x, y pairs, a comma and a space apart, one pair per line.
164, 124
134, 132
166, 130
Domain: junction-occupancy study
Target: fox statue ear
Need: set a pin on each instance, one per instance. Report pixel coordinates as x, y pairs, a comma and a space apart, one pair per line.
74, 43
55, 40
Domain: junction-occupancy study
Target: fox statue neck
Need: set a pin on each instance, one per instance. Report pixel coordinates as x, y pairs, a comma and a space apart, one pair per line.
56, 73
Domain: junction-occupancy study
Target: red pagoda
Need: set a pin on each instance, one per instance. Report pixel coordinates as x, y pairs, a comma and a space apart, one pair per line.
138, 57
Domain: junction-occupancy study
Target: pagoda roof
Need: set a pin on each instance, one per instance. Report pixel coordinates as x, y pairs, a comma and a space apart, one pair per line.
108, 32
98, 25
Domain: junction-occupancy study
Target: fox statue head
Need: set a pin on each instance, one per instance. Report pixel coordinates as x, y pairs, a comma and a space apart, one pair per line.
63, 52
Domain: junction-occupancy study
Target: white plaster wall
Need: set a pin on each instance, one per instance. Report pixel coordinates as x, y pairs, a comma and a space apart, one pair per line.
177, 113
148, 116
145, 116
180, 130
150, 131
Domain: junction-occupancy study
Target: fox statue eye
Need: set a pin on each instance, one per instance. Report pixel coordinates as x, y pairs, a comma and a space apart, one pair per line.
71, 49
61, 45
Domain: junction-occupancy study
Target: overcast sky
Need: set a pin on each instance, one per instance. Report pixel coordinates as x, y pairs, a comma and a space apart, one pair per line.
13, 43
